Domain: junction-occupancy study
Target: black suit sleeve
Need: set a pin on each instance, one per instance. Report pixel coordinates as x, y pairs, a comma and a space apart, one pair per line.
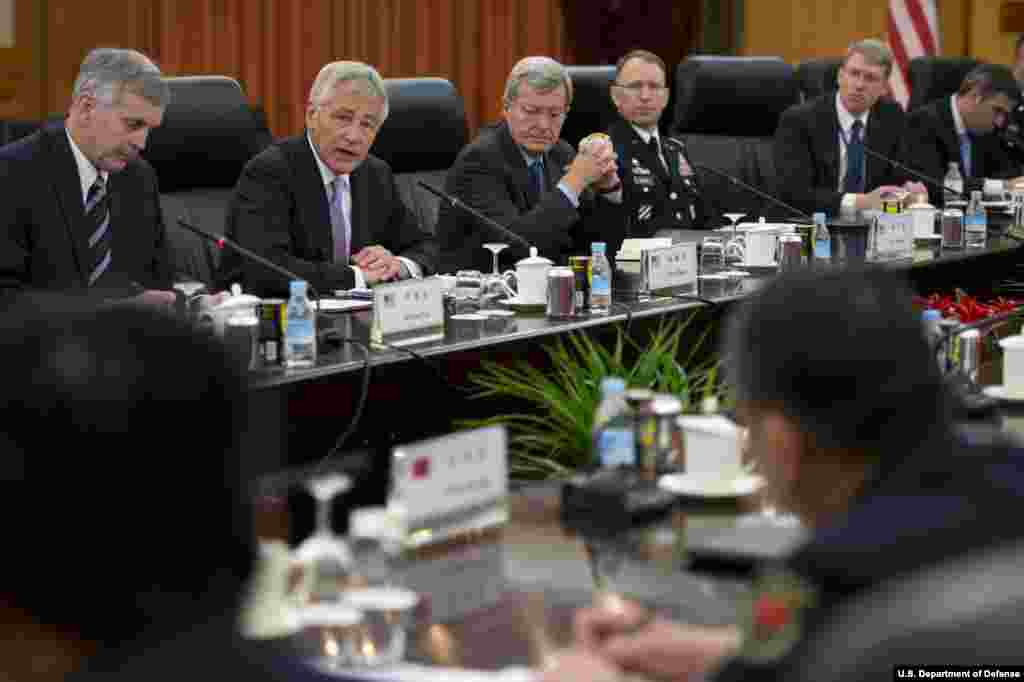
14, 235
261, 217
926, 150
160, 268
795, 167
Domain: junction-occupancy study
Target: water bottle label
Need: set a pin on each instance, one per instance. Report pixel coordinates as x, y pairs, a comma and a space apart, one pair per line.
615, 448
299, 330
823, 249
600, 284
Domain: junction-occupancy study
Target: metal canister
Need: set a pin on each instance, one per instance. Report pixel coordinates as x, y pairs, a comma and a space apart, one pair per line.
242, 337
271, 312
952, 228
668, 438
645, 429
581, 270
967, 353
790, 256
806, 233
561, 293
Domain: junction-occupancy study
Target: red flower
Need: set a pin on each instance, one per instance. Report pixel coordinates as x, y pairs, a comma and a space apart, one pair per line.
771, 613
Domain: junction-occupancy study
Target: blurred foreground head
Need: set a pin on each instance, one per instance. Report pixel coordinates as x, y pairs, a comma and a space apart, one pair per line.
120, 482
833, 374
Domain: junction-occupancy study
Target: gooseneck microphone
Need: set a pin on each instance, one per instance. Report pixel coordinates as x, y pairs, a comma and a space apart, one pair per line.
754, 190
221, 241
505, 233
929, 180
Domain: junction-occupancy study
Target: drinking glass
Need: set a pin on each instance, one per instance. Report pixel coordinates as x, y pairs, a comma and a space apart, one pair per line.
712, 256
494, 286
734, 247
323, 552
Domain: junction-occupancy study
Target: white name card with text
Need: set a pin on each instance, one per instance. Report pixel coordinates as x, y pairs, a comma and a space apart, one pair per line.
893, 237
452, 484
410, 311
672, 267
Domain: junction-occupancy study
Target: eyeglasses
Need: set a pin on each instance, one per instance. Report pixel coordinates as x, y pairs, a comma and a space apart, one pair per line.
636, 87
555, 116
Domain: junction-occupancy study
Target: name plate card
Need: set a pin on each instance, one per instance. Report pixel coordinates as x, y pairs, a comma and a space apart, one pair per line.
892, 237
672, 267
406, 312
452, 485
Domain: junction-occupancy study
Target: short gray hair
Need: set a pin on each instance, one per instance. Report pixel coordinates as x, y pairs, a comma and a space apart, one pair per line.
107, 73
874, 51
336, 73
543, 74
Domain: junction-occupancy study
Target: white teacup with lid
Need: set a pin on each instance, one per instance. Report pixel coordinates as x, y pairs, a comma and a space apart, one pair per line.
532, 278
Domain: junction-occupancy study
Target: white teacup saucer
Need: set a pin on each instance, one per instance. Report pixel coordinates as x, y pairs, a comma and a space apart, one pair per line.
999, 393
522, 306
710, 485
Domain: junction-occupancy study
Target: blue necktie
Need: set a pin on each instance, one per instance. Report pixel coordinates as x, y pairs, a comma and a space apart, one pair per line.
97, 213
965, 154
536, 180
854, 182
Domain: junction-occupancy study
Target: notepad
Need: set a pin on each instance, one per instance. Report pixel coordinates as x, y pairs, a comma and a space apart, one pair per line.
342, 305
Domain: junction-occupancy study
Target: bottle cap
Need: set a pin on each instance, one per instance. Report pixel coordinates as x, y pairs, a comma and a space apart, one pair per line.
297, 286
931, 314
612, 385
819, 217
371, 522
597, 247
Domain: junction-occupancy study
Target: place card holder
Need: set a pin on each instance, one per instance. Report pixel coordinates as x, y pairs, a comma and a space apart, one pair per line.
891, 237
671, 269
407, 312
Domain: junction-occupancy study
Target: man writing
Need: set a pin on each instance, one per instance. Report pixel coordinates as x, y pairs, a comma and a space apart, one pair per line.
521, 175
320, 205
81, 210
820, 145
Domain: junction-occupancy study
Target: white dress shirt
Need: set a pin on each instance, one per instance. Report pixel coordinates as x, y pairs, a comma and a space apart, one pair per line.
87, 173
328, 177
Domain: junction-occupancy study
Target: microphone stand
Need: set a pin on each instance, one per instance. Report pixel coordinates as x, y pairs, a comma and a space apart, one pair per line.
480, 217
754, 190
221, 241
941, 186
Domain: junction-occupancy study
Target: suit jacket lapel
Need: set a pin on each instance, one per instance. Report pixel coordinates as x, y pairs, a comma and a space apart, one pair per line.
952, 142
311, 196
362, 234
515, 167
828, 139
67, 187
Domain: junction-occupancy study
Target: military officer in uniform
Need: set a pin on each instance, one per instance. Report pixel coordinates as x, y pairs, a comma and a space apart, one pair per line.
860, 445
660, 189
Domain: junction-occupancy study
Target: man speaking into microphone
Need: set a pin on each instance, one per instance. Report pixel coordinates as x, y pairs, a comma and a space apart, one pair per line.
521, 175
659, 188
819, 144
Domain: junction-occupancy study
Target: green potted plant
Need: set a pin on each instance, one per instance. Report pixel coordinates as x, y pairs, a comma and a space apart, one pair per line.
552, 436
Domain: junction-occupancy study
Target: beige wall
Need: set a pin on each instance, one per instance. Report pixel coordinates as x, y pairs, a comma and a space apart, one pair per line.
805, 29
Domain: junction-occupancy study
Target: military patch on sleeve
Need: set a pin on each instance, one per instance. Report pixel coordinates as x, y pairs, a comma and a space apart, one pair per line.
772, 616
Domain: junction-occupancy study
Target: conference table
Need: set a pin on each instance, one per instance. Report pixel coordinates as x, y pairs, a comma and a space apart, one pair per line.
419, 392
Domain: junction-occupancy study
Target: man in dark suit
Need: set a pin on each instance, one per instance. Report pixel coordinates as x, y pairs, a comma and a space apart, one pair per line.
819, 144
962, 129
320, 205
521, 175
81, 209
659, 189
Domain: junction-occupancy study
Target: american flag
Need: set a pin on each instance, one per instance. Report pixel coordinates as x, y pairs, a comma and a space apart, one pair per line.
913, 32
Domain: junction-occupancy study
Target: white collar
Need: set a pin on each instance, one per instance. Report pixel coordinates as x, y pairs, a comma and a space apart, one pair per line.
87, 172
326, 173
958, 121
646, 135
846, 119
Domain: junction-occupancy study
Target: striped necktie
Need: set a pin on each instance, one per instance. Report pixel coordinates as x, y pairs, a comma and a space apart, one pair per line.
97, 213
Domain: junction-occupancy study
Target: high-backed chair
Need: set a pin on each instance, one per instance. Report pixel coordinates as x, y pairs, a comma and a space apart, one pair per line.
817, 76
726, 111
208, 134
967, 611
592, 108
424, 132
932, 78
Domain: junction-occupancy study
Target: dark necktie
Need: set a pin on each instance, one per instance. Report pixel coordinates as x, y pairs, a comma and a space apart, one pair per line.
854, 183
97, 213
655, 148
965, 154
536, 181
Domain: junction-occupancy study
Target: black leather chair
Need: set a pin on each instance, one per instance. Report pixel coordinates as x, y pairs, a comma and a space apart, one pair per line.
208, 134
592, 108
726, 111
969, 611
932, 78
424, 132
817, 76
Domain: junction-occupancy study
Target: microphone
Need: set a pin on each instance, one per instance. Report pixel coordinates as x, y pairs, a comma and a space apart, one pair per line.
929, 180
750, 188
221, 241
506, 233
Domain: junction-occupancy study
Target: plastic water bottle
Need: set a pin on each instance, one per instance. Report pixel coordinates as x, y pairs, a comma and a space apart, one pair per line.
932, 320
300, 329
975, 222
613, 426
600, 280
953, 181
822, 241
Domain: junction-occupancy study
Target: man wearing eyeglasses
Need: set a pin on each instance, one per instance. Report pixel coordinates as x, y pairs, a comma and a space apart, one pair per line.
521, 175
960, 129
819, 145
659, 187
